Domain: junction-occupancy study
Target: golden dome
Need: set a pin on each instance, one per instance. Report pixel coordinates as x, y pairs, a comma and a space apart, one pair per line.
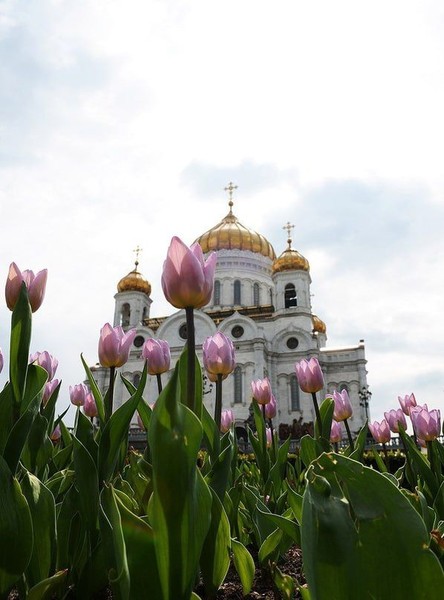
290, 260
134, 282
318, 324
230, 234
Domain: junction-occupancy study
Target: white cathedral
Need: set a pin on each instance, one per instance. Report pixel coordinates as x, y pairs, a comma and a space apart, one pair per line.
263, 303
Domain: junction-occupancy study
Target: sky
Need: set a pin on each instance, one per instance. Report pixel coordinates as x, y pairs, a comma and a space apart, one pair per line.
121, 122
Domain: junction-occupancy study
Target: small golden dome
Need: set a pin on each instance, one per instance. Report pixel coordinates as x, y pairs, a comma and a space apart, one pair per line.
290, 260
318, 324
230, 234
134, 282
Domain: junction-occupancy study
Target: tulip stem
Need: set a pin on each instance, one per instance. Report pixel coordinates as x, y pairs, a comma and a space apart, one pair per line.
159, 382
318, 414
218, 406
191, 370
386, 459
110, 394
273, 441
349, 435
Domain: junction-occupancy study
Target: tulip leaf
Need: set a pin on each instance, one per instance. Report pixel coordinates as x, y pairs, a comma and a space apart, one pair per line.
19, 345
244, 565
418, 462
360, 443
84, 432
183, 376
326, 413
284, 583
46, 589
350, 512
95, 392
15, 529
211, 434
181, 502
115, 432
290, 528
87, 484
42, 507
6, 415
310, 449
295, 501
270, 547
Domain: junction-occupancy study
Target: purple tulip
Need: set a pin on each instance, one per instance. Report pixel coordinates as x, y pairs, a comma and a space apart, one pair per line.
78, 393
271, 408
309, 375
114, 345
36, 285
46, 361
426, 423
48, 390
268, 436
218, 355
261, 390
187, 279
407, 403
335, 432
56, 434
395, 418
343, 408
1, 360
158, 356
380, 431
90, 407
226, 420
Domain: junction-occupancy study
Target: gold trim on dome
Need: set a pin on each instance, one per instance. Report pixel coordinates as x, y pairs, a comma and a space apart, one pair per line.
290, 260
318, 324
134, 282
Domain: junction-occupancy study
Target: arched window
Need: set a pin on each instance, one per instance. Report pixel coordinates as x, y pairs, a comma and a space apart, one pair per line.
125, 315
290, 296
344, 386
216, 294
136, 379
256, 295
237, 385
294, 393
237, 292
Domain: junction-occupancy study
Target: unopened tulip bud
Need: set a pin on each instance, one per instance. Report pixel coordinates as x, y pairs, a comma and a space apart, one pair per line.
36, 285
335, 432
380, 431
56, 434
46, 361
226, 420
309, 375
271, 408
395, 418
261, 390
1, 360
187, 278
407, 403
78, 393
114, 345
157, 355
48, 390
343, 408
268, 436
218, 356
90, 407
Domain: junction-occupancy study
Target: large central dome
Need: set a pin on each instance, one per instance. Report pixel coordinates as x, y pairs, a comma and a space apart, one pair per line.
230, 234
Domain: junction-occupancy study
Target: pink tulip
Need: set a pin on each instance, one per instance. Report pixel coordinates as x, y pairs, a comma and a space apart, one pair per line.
187, 279
309, 375
90, 407
114, 345
158, 356
78, 393
343, 408
218, 355
426, 423
56, 434
1, 360
48, 390
335, 432
380, 431
407, 403
261, 389
268, 436
271, 408
46, 361
36, 285
226, 420
395, 418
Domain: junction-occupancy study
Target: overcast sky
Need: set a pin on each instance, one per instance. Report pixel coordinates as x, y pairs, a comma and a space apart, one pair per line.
122, 121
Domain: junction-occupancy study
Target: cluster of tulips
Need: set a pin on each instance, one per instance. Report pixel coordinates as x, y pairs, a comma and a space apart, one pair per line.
79, 513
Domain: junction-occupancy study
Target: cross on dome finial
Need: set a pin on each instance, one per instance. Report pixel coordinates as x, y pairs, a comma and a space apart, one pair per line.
137, 250
288, 227
230, 189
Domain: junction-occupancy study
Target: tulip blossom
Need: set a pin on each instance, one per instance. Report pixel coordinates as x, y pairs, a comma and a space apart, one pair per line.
271, 408
46, 361
309, 375
407, 403
187, 278
395, 418
218, 356
268, 436
89, 406
56, 434
343, 408
226, 420
261, 389
1, 360
335, 432
157, 354
380, 431
48, 390
78, 393
36, 285
114, 345
426, 423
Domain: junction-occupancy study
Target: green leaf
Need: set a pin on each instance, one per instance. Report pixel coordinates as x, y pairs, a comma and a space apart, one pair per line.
19, 345
211, 434
419, 463
295, 501
183, 374
95, 392
15, 529
6, 415
360, 443
310, 449
244, 565
87, 484
284, 583
42, 507
269, 549
46, 589
350, 512
84, 432
326, 411
289, 527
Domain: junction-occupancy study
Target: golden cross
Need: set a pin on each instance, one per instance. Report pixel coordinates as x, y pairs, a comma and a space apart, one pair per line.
288, 227
230, 189
137, 250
